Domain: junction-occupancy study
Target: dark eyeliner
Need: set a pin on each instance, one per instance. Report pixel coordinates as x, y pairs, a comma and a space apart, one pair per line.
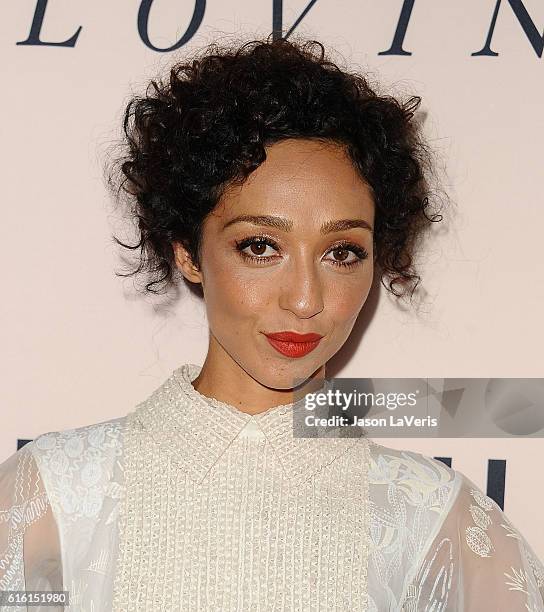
360, 252
257, 239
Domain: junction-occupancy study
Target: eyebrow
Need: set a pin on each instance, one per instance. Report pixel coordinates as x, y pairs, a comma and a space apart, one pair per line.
284, 225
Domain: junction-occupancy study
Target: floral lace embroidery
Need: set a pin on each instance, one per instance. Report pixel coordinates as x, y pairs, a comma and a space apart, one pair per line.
441, 568
519, 579
479, 542
477, 537
81, 468
535, 565
75, 460
30, 503
418, 489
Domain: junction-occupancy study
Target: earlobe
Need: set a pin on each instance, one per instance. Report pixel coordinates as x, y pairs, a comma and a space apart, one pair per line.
185, 263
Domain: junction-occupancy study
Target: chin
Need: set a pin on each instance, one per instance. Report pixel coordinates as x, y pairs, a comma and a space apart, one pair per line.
289, 373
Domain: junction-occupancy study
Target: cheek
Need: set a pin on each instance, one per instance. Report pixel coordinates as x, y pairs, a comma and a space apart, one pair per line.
232, 295
346, 299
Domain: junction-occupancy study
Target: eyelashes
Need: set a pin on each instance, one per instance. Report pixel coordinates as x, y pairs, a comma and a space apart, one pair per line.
266, 241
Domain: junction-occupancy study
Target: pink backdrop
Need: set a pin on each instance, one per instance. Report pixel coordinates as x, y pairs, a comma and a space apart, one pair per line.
79, 347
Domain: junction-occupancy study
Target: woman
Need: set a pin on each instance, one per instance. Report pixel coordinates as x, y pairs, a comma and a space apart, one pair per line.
275, 182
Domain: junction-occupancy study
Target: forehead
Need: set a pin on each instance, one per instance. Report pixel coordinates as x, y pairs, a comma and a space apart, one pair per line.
303, 179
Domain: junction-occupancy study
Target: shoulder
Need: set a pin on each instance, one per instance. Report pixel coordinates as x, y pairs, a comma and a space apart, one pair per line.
60, 451
97, 435
80, 466
477, 557
409, 490
419, 476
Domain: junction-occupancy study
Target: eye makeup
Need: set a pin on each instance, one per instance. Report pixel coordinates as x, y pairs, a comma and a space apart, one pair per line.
260, 240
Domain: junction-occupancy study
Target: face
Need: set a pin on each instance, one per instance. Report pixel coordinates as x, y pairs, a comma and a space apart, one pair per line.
296, 268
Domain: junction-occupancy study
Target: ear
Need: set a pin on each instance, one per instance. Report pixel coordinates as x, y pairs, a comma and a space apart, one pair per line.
185, 263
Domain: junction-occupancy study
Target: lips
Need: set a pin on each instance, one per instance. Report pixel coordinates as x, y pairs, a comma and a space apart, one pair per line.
292, 344
287, 336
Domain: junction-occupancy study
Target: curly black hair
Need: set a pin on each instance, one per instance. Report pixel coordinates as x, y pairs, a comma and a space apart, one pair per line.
206, 127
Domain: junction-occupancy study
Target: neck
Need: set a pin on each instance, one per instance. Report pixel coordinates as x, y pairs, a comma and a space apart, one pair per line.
224, 379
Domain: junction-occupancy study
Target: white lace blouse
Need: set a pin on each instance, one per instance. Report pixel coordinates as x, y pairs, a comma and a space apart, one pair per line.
189, 504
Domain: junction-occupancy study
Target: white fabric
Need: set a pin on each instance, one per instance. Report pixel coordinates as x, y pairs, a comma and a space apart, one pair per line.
433, 541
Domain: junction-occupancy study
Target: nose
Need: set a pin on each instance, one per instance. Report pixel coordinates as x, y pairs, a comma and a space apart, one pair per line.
301, 290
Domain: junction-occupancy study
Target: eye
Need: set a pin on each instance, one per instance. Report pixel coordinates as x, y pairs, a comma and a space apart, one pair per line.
255, 249
358, 254
257, 246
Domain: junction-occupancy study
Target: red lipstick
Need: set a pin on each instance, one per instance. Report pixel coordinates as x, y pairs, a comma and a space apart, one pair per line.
292, 344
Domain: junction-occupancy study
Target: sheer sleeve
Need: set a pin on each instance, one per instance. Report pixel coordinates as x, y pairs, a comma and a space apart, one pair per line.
476, 562
30, 552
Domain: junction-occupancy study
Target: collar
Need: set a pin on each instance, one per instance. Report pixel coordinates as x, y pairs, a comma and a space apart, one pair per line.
195, 430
